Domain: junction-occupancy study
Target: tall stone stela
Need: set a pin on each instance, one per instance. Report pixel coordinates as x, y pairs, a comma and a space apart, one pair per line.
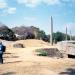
51, 37
70, 35
66, 33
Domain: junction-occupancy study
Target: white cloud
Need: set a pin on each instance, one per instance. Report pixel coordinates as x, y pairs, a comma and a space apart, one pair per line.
70, 3
51, 2
68, 0
3, 4
11, 10
6, 10
29, 18
33, 3
29, 3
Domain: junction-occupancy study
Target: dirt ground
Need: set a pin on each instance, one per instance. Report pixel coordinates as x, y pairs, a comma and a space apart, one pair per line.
23, 61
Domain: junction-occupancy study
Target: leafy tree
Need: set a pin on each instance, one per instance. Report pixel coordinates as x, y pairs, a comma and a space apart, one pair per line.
73, 37
30, 36
41, 34
6, 33
59, 36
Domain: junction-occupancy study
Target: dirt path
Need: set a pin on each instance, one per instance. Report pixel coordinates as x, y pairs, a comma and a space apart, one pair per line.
25, 62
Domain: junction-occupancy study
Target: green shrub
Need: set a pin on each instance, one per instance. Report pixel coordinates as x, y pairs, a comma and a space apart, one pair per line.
42, 52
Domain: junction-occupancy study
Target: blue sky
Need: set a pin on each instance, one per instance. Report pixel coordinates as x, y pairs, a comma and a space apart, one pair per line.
38, 12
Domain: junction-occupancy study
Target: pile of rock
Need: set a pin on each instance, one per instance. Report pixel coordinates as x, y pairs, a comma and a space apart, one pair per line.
53, 52
18, 45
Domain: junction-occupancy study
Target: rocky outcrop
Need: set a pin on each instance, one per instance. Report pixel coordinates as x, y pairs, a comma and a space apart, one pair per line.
18, 45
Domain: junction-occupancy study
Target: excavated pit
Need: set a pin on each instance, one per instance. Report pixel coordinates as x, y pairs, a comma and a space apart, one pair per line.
71, 56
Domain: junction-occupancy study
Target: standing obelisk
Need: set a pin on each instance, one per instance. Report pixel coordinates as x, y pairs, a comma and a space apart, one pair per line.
66, 33
70, 36
51, 37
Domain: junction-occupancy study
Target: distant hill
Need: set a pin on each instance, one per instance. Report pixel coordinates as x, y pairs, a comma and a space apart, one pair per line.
26, 32
21, 33
22, 30
30, 32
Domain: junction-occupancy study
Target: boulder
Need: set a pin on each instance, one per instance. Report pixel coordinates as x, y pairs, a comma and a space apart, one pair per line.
53, 52
18, 45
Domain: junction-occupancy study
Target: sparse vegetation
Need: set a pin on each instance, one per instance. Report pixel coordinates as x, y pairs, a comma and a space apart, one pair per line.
6, 33
59, 36
51, 52
41, 52
30, 32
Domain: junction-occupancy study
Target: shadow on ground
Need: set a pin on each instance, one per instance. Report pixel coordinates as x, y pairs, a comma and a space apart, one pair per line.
8, 73
12, 62
7, 53
69, 71
10, 55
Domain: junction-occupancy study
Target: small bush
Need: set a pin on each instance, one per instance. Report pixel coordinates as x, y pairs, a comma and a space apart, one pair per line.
41, 52
50, 52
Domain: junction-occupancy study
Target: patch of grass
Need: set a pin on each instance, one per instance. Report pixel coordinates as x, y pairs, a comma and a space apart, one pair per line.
42, 52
